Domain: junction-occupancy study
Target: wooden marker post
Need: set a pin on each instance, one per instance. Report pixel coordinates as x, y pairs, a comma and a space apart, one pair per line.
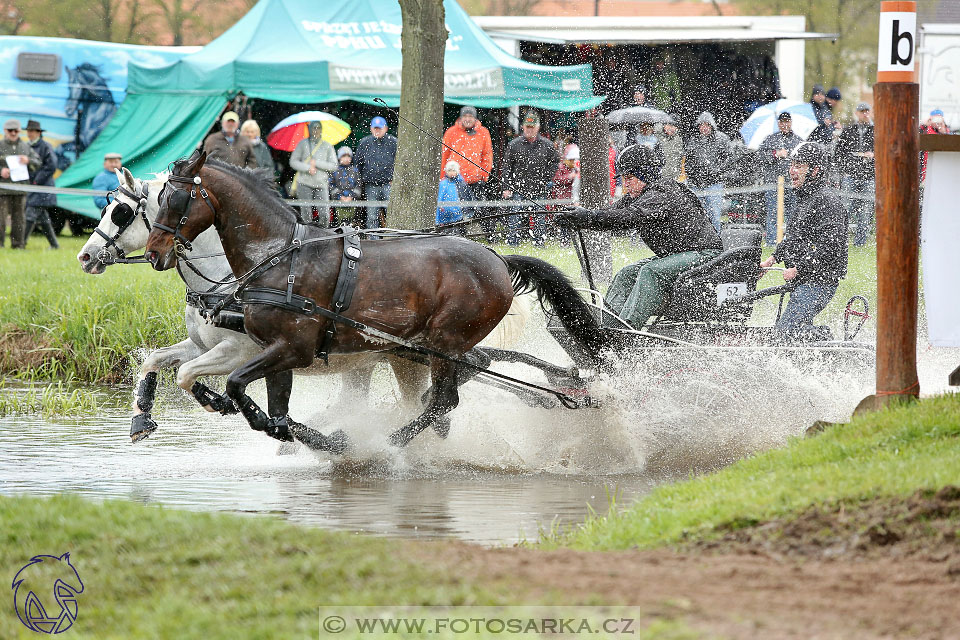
896, 146
780, 208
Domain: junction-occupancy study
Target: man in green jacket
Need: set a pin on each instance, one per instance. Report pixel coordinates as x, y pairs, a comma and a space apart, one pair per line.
13, 203
670, 220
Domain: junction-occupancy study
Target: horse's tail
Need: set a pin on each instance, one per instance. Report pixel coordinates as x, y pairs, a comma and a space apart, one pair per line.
508, 332
552, 286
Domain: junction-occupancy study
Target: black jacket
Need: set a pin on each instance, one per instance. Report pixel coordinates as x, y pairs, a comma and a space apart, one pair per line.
816, 238
772, 165
528, 167
375, 159
856, 138
43, 175
667, 215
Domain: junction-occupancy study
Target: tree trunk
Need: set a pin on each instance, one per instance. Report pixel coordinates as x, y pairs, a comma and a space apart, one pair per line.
593, 134
416, 177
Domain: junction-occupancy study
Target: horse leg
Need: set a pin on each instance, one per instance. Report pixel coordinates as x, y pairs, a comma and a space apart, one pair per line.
142, 424
279, 388
277, 358
411, 379
223, 358
443, 398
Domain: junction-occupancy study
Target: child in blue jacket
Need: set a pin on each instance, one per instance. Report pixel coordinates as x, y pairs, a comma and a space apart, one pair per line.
452, 189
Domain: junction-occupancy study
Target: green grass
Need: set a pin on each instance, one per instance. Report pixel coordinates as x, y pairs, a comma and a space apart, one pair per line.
891, 453
69, 325
152, 572
51, 400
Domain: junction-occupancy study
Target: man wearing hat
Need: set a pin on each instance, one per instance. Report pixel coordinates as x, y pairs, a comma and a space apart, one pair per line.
529, 163
669, 219
833, 100
671, 144
107, 179
468, 143
774, 155
375, 159
38, 204
818, 101
228, 145
708, 158
854, 154
12, 203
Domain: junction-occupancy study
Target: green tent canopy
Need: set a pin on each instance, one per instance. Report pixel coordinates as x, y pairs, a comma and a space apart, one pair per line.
302, 51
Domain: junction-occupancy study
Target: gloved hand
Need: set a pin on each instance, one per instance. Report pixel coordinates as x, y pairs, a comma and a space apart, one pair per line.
575, 218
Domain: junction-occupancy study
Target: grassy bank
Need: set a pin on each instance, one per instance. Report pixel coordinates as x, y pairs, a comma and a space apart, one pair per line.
150, 572
889, 454
58, 323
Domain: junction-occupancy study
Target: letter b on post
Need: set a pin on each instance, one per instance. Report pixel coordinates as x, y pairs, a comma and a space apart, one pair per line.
895, 53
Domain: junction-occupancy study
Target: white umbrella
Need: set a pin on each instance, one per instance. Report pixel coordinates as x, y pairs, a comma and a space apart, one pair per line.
763, 121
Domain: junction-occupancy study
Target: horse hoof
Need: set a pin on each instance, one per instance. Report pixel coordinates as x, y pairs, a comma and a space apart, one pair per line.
336, 443
442, 427
141, 426
402, 437
288, 448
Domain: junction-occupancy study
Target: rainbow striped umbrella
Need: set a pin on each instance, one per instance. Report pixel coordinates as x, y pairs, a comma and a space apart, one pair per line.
295, 128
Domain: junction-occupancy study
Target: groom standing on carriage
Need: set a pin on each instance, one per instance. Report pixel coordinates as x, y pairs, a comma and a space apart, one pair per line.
670, 220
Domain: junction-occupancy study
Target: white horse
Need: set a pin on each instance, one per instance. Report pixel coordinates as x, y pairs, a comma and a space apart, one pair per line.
214, 351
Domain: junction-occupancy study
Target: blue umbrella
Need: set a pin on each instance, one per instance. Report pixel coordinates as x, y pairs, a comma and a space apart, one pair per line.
763, 121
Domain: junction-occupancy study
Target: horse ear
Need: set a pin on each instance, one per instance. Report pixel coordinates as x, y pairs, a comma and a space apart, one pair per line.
196, 164
120, 177
129, 179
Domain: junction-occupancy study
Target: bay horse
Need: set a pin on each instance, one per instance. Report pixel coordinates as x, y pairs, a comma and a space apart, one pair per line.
436, 292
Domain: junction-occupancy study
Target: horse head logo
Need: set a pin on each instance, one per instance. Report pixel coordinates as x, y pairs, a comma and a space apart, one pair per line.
42, 576
90, 100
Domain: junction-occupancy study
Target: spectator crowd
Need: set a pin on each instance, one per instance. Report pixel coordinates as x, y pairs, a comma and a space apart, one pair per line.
326, 181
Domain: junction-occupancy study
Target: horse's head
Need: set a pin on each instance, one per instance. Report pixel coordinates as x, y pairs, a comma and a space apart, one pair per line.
186, 209
124, 223
86, 85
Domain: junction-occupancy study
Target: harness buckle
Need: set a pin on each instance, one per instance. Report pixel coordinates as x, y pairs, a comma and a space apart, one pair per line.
308, 306
274, 261
203, 193
351, 264
183, 221
291, 278
296, 242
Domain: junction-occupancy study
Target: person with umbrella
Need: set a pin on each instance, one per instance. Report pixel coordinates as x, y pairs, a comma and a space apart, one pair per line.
814, 249
775, 157
670, 220
313, 159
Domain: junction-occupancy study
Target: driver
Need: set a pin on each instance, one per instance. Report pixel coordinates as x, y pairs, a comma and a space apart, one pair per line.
814, 249
670, 220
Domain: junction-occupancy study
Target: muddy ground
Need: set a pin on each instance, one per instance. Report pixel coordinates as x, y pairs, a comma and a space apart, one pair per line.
879, 569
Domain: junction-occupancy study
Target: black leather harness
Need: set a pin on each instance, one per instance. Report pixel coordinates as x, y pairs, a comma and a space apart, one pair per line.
290, 301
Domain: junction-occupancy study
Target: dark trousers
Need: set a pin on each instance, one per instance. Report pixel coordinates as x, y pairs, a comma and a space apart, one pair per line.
40, 216
12, 206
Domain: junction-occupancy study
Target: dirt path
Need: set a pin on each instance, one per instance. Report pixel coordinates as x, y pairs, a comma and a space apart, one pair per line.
887, 570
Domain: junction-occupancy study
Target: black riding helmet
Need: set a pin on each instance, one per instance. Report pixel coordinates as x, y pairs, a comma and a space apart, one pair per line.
809, 153
639, 160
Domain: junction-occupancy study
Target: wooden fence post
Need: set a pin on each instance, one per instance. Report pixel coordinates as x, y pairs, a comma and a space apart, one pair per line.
593, 134
896, 145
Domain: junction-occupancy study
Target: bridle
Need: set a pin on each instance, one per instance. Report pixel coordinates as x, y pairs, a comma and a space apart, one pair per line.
123, 215
180, 203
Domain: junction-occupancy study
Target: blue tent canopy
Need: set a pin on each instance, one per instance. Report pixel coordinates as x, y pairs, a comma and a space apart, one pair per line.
302, 51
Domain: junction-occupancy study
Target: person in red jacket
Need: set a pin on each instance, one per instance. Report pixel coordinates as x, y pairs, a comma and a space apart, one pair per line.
468, 138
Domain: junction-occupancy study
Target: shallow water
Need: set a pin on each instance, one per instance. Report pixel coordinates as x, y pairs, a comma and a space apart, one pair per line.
505, 472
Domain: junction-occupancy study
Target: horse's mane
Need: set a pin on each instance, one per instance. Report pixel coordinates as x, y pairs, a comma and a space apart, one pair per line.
259, 180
